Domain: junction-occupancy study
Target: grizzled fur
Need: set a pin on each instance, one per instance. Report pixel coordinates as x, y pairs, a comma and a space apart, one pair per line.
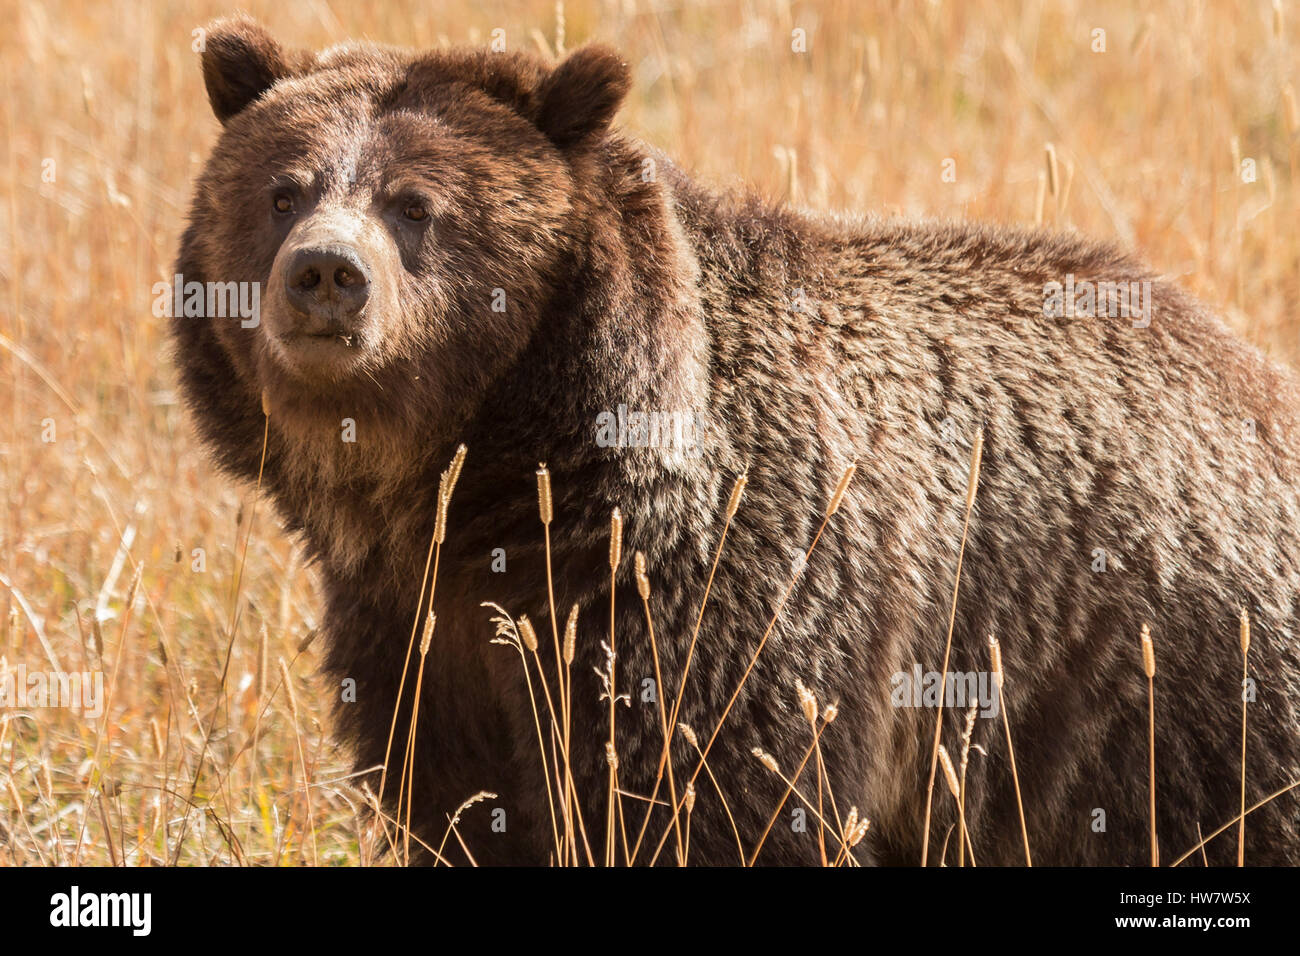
810, 342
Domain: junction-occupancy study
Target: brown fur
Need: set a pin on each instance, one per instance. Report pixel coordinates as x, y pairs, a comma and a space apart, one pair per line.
656, 293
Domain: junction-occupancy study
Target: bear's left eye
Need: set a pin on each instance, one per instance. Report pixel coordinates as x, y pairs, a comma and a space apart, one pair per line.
283, 203
415, 212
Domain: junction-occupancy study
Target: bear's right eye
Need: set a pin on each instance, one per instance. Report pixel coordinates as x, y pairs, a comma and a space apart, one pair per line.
283, 203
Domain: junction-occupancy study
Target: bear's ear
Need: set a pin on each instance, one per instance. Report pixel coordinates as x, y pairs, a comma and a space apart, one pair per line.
580, 97
240, 62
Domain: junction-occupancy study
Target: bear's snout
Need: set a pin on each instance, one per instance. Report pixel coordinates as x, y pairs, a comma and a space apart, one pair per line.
328, 287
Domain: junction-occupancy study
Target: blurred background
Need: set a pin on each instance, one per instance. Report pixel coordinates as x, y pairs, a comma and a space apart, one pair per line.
1173, 129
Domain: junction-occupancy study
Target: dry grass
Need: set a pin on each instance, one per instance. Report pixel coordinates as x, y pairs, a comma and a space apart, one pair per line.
121, 550
1149, 668
995, 654
972, 487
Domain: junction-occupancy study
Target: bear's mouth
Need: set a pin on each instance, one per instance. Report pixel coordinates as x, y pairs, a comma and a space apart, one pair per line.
318, 356
348, 339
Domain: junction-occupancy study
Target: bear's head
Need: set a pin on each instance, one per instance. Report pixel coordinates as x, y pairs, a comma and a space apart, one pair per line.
408, 217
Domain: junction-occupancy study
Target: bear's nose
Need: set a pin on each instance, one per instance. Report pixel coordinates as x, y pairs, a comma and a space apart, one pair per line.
329, 286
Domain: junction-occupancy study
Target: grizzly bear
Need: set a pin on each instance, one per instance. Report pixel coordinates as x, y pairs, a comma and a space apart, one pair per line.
457, 246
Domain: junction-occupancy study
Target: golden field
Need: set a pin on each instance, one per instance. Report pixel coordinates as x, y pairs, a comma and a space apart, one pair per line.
1181, 139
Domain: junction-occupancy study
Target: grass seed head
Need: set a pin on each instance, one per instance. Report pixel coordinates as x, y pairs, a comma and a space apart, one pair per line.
615, 539
307, 639
977, 455
447, 484
544, 504
1148, 653
287, 680
949, 773
642, 579
689, 734
841, 488
766, 759
737, 490
807, 701
527, 634
855, 829
427, 638
571, 635
453, 470
477, 798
